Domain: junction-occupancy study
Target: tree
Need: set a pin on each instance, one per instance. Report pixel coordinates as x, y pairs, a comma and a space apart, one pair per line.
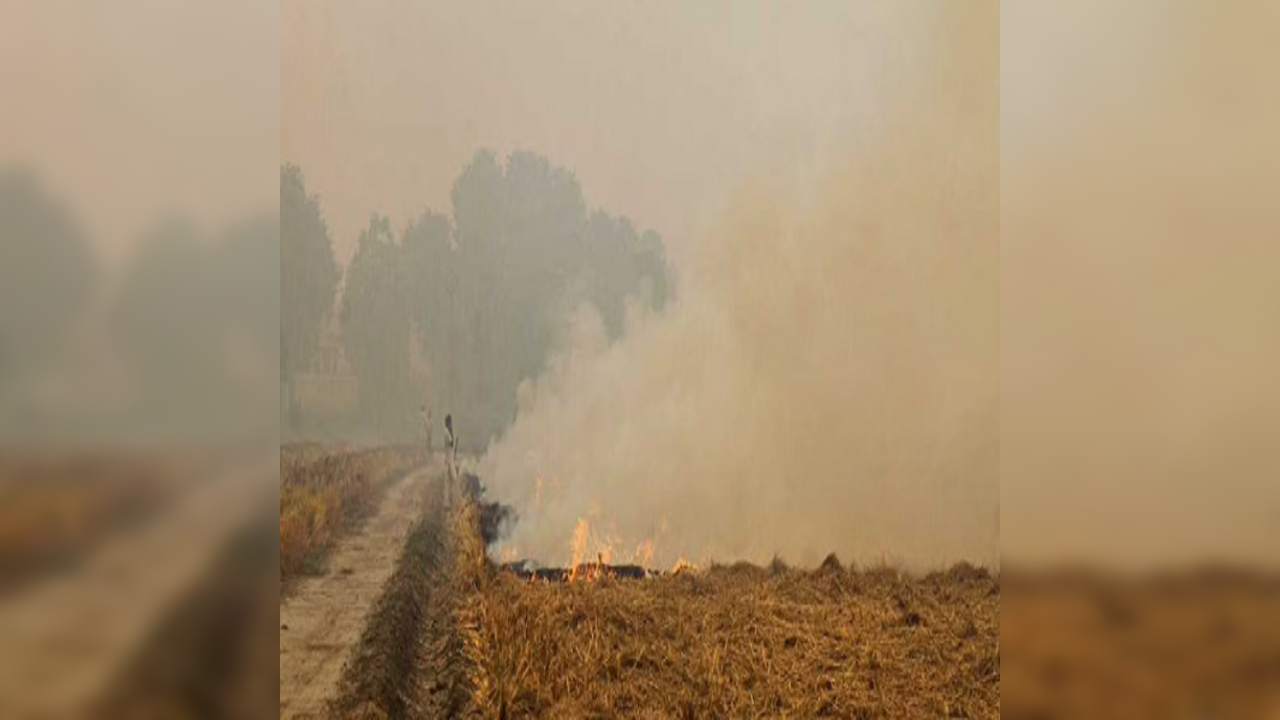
48, 275
171, 325
375, 329
196, 317
430, 270
623, 264
490, 293
309, 278
248, 259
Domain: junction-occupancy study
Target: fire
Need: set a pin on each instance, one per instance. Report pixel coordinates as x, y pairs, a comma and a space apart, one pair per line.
581, 534
682, 565
586, 543
644, 553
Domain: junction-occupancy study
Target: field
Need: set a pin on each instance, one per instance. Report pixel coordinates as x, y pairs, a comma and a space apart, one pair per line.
738, 641
453, 634
438, 629
407, 617
325, 491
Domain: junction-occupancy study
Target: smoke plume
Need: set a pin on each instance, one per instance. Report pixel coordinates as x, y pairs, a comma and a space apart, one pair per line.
827, 379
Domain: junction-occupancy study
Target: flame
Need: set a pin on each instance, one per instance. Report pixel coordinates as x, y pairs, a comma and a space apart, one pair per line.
581, 534
644, 553
682, 565
583, 543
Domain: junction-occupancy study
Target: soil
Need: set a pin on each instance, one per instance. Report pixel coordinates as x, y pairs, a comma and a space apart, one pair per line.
322, 619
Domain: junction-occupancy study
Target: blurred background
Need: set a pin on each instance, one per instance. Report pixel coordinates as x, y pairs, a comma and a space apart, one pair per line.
139, 312
140, 296
1140, 332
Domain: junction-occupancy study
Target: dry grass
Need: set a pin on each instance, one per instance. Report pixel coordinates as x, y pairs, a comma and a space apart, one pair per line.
325, 493
738, 641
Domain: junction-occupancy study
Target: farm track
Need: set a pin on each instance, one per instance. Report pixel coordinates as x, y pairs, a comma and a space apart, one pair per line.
322, 619
428, 629
410, 661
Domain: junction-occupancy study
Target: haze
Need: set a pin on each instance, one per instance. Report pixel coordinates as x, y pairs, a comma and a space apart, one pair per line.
138, 111
659, 108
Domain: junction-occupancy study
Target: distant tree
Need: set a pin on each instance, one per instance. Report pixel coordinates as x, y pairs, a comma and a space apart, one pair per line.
197, 317
651, 270
544, 215
431, 284
490, 293
248, 260
376, 319
167, 316
308, 279
623, 264
478, 201
48, 274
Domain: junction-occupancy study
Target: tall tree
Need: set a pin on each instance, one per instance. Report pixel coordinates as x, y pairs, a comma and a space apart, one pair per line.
172, 326
375, 329
309, 277
431, 285
478, 201
197, 319
490, 293
48, 274
248, 258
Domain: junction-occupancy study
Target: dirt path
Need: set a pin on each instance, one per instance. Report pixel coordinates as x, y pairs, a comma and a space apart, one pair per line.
411, 660
322, 620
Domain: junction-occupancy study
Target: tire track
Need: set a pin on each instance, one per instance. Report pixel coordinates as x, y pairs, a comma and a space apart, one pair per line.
411, 660
321, 622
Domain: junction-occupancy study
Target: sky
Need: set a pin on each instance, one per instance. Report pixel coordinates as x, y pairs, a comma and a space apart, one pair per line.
661, 109
134, 111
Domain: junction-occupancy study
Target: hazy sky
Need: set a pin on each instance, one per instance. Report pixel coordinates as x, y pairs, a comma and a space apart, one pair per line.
661, 109
134, 110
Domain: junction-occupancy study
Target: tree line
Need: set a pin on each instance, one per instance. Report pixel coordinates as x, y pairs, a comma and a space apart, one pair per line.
484, 293
183, 330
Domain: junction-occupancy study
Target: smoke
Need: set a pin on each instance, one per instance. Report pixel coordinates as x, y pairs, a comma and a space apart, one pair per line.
828, 377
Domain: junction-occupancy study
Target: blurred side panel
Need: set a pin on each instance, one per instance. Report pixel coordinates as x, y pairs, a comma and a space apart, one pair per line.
139, 317
1140, 333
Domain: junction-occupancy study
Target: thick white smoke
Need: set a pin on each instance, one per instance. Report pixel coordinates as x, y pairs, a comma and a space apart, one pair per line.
827, 380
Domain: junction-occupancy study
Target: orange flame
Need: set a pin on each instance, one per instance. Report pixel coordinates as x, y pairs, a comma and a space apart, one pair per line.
581, 534
644, 553
583, 543
682, 565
